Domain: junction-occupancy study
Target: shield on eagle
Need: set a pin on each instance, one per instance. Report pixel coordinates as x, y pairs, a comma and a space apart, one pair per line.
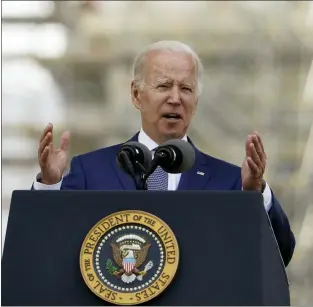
129, 264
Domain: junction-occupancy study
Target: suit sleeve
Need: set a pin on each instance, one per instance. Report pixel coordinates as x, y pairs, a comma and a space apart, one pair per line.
283, 233
281, 227
76, 178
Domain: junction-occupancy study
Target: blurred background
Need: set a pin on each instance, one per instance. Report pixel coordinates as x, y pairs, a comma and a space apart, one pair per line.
69, 63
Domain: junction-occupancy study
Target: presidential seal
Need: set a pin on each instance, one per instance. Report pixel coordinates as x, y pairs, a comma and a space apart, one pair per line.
129, 257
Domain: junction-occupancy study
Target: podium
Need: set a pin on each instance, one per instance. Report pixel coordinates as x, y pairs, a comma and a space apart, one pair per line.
228, 254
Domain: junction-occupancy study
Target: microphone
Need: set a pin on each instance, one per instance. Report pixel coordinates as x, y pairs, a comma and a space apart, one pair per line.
174, 156
133, 158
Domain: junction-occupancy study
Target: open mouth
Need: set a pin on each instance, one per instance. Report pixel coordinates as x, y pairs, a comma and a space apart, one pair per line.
172, 116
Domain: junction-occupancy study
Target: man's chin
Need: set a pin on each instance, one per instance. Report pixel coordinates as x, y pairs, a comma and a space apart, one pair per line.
172, 131
170, 134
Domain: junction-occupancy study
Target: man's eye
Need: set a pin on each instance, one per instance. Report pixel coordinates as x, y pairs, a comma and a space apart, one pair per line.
162, 86
187, 89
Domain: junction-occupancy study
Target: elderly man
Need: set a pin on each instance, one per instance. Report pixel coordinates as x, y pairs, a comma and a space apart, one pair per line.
165, 89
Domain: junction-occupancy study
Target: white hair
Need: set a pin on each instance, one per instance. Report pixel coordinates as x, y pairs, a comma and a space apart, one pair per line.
175, 46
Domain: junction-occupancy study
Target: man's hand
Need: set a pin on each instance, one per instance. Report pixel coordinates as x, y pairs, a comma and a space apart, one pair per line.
253, 166
52, 161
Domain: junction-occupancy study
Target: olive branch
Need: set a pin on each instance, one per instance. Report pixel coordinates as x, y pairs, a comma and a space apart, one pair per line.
110, 267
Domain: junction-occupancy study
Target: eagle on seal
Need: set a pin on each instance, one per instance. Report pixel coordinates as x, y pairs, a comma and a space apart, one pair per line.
129, 257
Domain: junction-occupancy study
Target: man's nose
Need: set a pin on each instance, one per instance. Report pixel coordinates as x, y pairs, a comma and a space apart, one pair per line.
174, 95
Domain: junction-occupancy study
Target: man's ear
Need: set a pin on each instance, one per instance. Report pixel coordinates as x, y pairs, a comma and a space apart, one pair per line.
135, 95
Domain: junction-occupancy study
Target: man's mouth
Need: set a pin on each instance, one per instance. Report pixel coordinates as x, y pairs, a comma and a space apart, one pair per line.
172, 116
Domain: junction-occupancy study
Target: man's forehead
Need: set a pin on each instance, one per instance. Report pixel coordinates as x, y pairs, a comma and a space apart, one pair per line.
162, 75
168, 66
171, 79
167, 71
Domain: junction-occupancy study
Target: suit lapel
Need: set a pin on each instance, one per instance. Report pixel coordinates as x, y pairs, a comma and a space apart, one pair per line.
126, 181
197, 177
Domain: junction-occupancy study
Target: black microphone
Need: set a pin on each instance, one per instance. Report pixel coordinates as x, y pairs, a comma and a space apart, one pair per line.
174, 156
133, 158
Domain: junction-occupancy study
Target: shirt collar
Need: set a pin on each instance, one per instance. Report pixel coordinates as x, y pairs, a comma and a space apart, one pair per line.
144, 139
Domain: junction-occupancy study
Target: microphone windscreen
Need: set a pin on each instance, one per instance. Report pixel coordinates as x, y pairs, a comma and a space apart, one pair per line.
185, 156
144, 155
137, 152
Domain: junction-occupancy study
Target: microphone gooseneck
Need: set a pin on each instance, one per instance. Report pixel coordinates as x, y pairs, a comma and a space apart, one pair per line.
126, 163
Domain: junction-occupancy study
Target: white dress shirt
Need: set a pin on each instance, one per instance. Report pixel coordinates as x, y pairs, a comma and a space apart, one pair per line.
173, 179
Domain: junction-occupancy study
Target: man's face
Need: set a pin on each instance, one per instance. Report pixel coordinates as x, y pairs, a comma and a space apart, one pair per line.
169, 98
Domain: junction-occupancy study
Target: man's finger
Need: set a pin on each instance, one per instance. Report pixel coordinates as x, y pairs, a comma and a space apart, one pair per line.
44, 155
255, 172
258, 148
248, 142
51, 147
45, 142
255, 156
260, 140
47, 129
65, 140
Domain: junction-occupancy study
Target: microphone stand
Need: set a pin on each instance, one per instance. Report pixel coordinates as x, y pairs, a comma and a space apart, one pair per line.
140, 182
132, 170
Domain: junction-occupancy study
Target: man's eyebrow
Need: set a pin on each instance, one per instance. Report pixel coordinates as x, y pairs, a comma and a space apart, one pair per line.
161, 80
165, 79
186, 83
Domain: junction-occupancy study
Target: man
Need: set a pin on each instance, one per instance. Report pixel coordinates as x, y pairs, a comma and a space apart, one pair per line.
165, 89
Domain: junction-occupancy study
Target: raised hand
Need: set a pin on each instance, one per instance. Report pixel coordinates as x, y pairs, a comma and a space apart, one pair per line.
52, 161
253, 166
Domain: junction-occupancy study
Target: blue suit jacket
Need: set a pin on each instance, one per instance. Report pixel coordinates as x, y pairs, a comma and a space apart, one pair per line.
98, 170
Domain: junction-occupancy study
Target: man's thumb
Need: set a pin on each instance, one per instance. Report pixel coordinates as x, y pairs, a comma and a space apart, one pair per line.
65, 140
